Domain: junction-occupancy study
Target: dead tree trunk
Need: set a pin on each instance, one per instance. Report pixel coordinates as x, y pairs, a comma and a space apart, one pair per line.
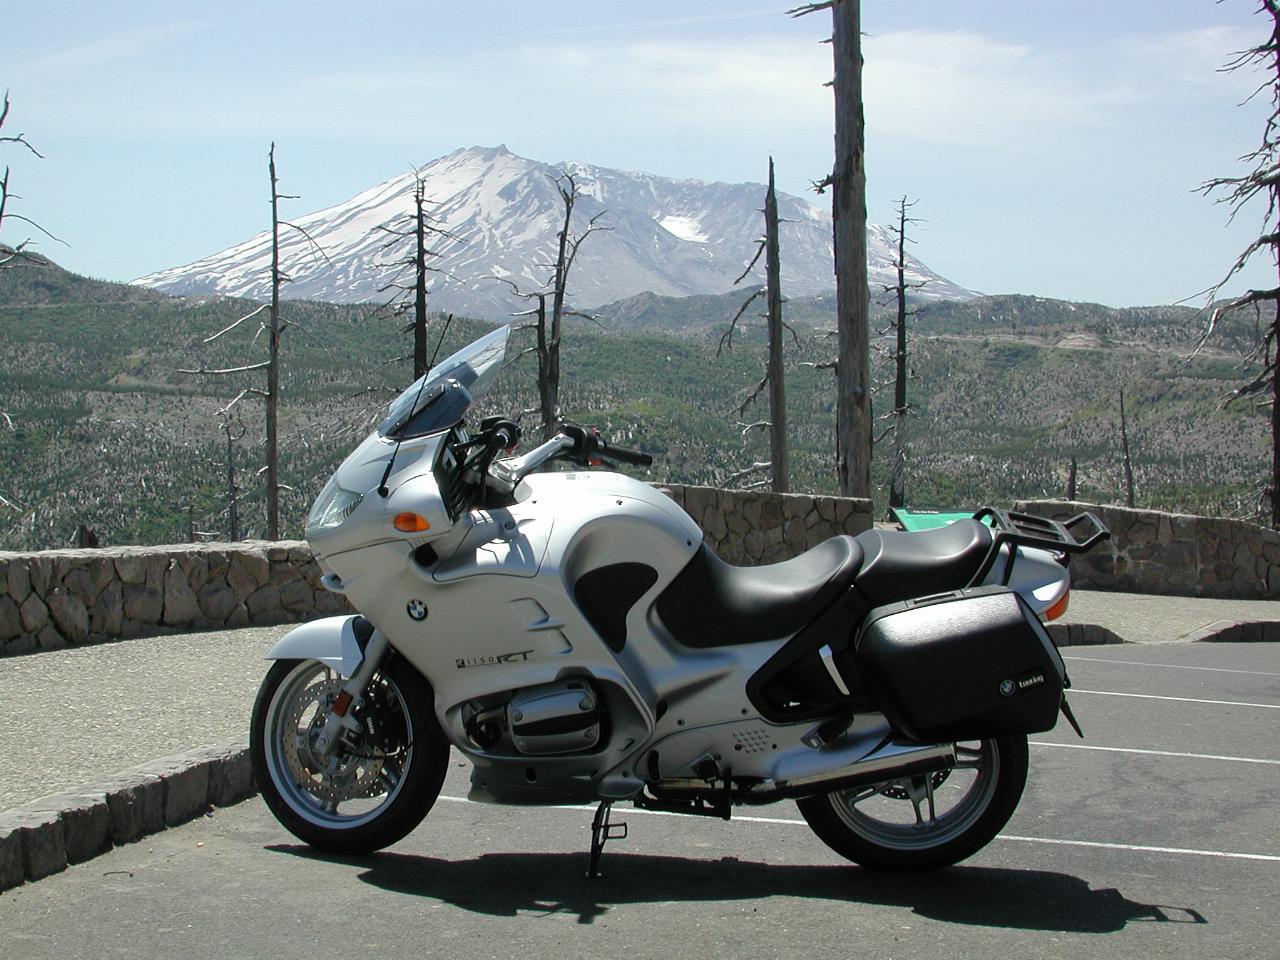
780, 469
273, 362
898, 481
1124, 451
233, 491
419, 282
849, 214
1071, 480
550, 328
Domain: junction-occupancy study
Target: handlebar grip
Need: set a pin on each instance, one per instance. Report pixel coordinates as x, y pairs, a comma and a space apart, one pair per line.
623, 455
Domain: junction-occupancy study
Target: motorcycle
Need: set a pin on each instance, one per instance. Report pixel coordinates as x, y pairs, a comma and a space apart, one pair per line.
569, 633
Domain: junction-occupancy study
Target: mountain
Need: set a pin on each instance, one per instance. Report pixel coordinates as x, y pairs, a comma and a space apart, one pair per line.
98, 426
672, 238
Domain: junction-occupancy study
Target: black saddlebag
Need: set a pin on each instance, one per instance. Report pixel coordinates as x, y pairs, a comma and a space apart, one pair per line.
962, 666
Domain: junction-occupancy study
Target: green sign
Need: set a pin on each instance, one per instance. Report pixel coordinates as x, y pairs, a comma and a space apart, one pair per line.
928, 518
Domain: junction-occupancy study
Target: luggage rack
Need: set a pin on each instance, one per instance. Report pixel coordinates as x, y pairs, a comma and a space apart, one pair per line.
1024, 529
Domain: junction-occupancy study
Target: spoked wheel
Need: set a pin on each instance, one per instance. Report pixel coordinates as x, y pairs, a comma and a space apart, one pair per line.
927, 821
375, 785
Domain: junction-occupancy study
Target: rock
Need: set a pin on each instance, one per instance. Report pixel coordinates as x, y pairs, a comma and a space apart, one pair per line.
186, 785
297, 596
12, 871
25, 643
34, 614
826, 508
107, 614
44, 850
143, 604
282, 572
10, 621
264, 605
79, 584
217, 601
18, 581
50, 639
85, 821
40, 570
230, 772
135, 803
180, 604
254, 562
240, 580
102, 573
69, 614
239, 617
132, 568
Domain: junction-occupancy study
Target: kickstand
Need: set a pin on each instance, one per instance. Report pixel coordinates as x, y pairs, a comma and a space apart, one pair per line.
602, 831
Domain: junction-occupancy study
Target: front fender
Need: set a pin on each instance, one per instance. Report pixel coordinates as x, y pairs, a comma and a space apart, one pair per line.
331, 640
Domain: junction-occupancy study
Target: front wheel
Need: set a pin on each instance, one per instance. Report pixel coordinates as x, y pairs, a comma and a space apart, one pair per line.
376, 784
927, 821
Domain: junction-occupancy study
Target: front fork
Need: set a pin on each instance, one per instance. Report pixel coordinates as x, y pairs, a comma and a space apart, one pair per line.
339, 718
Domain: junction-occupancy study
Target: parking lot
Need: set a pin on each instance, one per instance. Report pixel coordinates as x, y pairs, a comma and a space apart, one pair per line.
1156, 836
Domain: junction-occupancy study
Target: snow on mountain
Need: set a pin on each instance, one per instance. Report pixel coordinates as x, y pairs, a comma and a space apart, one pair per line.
669, 237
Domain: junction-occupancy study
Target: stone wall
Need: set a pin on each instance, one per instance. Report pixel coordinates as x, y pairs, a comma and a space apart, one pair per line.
59, 597
748, 527
1173, 554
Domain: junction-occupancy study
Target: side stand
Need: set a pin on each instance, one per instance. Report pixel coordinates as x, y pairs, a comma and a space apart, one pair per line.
602, 831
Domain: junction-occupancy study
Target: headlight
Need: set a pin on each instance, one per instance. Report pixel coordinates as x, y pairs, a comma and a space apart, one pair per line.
334, 505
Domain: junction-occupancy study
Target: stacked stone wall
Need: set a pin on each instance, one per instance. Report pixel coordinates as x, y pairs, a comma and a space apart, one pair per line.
59, 597
1173, 554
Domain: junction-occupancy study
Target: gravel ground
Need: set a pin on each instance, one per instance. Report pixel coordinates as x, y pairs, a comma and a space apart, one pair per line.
1142, 618
88, 712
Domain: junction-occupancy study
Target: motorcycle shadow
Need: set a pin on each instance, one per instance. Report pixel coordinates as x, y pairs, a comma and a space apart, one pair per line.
548, 883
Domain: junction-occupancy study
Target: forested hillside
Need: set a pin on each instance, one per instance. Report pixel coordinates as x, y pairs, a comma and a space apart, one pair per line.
100, 427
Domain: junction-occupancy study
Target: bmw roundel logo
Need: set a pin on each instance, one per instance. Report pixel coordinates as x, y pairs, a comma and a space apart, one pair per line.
1007, 687
417, 610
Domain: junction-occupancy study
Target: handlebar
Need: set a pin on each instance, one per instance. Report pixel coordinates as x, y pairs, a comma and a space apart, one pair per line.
623, 455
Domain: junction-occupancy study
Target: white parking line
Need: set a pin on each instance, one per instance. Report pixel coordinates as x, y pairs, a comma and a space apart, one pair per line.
1173, 666
1139, 848
1152, 753
1150, 696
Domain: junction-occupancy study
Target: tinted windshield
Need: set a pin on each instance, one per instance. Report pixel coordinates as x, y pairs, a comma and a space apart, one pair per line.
440, 399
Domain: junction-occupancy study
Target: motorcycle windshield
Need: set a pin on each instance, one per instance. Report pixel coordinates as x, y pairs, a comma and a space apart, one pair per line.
440, 399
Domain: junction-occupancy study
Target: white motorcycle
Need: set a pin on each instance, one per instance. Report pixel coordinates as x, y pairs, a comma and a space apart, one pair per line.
570, 634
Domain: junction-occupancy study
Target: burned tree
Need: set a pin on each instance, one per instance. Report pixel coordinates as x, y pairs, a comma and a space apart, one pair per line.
234, 432
901, 409
1261, 180
273, 327
548, 328
1125, 462
778, 465
15, 254
411, 298
848, 184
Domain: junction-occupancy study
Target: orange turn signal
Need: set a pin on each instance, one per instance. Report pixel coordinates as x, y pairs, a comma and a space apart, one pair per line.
1059, 608
410, 523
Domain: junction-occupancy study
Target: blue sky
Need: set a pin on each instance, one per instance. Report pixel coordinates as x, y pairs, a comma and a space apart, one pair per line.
1054, 146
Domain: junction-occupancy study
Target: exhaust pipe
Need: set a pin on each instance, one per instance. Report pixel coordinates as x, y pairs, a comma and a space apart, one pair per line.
890, 761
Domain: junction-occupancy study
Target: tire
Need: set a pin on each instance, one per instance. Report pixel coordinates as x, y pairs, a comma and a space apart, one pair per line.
381, 788
888, 826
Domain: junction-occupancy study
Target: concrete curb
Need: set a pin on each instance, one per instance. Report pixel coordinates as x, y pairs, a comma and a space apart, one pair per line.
1231, 631
1082, 634
44, 836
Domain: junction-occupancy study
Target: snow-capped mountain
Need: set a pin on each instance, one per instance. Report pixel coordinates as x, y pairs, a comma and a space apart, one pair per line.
670, 237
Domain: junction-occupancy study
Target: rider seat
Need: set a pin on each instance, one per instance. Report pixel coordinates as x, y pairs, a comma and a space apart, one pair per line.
715, 604
903, 566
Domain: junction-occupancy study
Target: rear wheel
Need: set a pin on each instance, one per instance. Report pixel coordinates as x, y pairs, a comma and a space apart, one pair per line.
927, 821
375, 785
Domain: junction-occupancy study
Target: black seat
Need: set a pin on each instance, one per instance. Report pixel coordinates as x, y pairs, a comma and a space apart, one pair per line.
713, 604
901, 566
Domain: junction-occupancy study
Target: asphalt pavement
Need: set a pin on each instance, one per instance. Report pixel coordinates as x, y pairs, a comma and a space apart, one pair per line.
1153, 837
83, 713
